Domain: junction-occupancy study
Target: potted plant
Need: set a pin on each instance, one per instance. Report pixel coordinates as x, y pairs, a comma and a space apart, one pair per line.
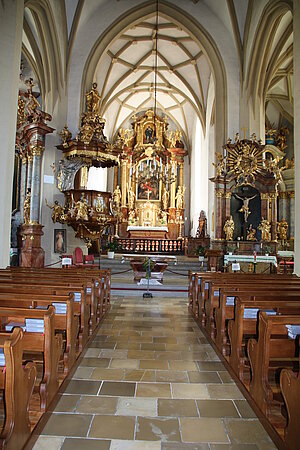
112, 246
201, 253
267, 249
230, 249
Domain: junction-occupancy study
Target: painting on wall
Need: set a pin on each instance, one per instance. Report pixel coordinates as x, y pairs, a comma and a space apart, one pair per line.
60, 241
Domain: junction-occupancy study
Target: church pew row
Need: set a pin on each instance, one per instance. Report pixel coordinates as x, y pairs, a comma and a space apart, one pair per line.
290, 388
17, 382
25, 290
273, 292
272, 344
43, 341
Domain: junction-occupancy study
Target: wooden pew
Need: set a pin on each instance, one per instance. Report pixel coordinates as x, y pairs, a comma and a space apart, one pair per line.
17, 382
290, 388
272, 343
64, 323
44, 342
241, 329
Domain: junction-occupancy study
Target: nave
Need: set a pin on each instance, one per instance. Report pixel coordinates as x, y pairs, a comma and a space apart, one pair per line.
149, 380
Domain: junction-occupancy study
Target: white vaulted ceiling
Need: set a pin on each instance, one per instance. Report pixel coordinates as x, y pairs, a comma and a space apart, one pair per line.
125, 77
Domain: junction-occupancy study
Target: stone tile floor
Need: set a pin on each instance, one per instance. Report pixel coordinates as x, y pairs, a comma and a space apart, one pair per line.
150, 381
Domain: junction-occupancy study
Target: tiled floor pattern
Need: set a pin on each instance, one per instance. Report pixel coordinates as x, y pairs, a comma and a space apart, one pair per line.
150, 381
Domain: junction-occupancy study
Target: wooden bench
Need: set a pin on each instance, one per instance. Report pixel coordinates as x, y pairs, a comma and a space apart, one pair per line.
17, 382
290, 388
68, 323
272, 343
45, 342
241, 328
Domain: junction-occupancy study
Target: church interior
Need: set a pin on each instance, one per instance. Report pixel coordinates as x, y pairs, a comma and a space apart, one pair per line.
150, 256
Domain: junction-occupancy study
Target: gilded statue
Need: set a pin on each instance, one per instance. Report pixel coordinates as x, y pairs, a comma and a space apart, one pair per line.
251, 232
117, 198
131, 198
131, 217
282, 138
282, 228
220, 165
86, 133
58, 214
164, 218
81, 209
93, 99
265, 228
165, 199
180, 197
26, 208
245, 208
273, 167
229, 229
65, 134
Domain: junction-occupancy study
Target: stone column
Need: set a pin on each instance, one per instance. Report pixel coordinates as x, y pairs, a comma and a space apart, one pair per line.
265, 206
116, 171
172, 195
23, 183
29, 170
227, 203
180, 175
295, 202
37, 152
11, 25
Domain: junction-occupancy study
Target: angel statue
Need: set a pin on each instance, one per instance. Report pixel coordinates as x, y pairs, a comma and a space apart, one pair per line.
93, 99
229, 229
220, 165
245, 208
65, 134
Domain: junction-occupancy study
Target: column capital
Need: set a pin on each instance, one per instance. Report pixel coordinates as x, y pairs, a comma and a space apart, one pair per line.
37, 150
219, 193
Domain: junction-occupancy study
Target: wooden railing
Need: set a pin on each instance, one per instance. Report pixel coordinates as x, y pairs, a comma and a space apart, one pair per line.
165, 246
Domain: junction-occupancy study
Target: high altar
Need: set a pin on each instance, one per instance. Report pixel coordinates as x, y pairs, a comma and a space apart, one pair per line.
151, 180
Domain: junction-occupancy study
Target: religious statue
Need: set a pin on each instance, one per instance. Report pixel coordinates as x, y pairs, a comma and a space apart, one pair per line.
220, 165
58, 214
117, 198
282, 138
180, 197
251, 232
65, 134
131, 217
92, 99
229, 229
164, 218
131, 198
26, 208
165, 199
282, 228
273, 167
81, 209
202, 227
245, 208
149, 135
265, 228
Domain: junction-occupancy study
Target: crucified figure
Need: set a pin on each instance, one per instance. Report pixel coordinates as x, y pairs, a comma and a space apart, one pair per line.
245, 208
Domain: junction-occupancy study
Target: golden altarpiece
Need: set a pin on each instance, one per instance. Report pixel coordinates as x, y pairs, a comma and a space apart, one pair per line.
247, 187
151, 180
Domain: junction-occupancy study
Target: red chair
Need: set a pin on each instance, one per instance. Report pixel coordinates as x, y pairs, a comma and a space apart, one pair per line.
78, 257
89, 260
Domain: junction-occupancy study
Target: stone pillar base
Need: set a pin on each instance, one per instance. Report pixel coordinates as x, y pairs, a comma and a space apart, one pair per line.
32, 254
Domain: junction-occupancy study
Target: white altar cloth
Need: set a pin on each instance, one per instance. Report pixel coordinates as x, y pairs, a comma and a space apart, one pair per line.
250, 258
137, 228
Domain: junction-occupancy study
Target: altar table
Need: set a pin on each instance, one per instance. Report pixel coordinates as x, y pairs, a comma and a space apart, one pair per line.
260, 259
136, 232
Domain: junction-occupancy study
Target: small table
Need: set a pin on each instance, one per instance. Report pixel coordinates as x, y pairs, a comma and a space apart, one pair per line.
160, 264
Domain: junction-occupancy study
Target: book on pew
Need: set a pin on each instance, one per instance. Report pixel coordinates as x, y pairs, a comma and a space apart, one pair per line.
10, 325
60, 308
2, 357
77, 296
230, 301
35, 325
293, 331
251, 313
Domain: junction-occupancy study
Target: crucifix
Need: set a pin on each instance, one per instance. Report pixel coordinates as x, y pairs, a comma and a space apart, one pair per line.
244, 129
